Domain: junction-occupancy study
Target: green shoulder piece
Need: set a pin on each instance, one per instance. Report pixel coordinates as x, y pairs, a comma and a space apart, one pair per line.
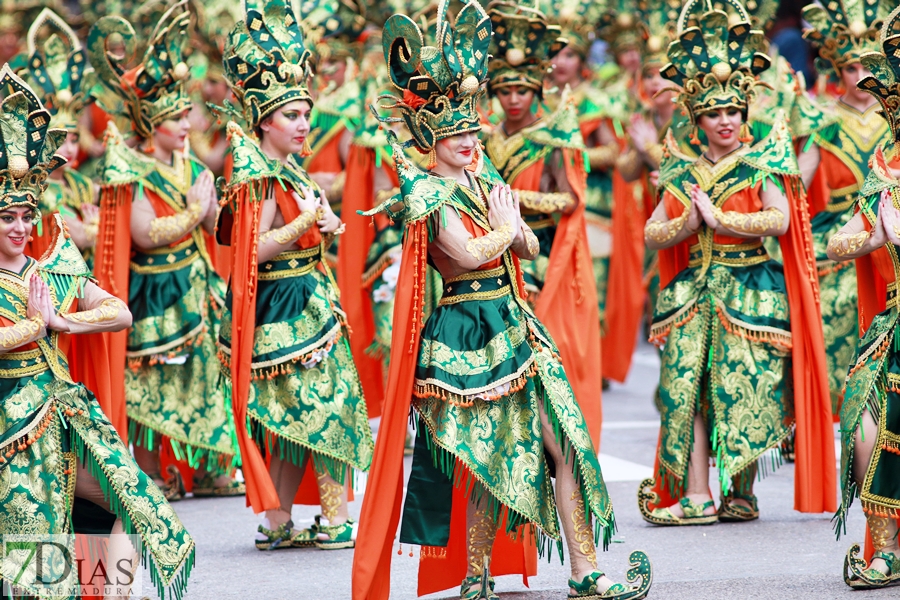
249, 162
774, 153
561, 129
829, 132
63, 266
674, 162
120, 164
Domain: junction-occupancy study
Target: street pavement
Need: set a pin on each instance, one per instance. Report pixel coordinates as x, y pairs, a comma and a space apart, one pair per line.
783, 555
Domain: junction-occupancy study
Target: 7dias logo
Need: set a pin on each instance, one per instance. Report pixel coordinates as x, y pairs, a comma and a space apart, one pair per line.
64, 566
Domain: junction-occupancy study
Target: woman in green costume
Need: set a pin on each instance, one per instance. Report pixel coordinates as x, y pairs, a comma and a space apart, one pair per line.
870, 414
837, 159
166, 199
296, 393
56, 444
740, 333
491, 398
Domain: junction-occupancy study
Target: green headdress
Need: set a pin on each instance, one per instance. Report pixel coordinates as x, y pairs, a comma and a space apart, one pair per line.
522, 47
845, 30
339, 25
266, 61
440, 84
760, 12
660, 17
27, 144
884, 83
713, 62
56, 69
215, 20
154, 90
577, 20
621, 28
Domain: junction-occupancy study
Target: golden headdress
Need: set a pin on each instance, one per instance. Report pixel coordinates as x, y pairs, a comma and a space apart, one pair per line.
266, 60
714, 62
56, 69
338, 26
845, 30
154, 90
884, 83
215, 20
27, 144
577, 20
441, 84
522, 46
621, 27
661, 18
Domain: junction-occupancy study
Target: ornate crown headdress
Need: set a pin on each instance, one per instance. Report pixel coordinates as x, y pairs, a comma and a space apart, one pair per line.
884, 83
577, 20
660, 18
845, 30
339, 25
715, 62
27, 144
215, 20
266, 61
154, 90
621, 28
522, 46
56, 69
441, 84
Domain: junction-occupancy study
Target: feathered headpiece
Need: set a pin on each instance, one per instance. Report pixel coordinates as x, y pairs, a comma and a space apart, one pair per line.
56, 69
522, 47
884, 83
266, 60
577, 20
714, 62
27, 144
440, 84
338, 24
845, 30
154, 90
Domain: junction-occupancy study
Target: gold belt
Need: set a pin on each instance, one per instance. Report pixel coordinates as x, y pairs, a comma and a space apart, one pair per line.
841, 202
165, 259
476, 285
732, 255
891, 296
292, 263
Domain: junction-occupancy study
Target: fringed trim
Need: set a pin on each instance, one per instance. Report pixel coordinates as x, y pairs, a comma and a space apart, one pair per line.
33, 432
879, 510
828, 267
289, 365
875, 352
135, 363
659, 332
178, 583
374, 272
437, 552
891, 446
761, 335
296, 453
196, 457
429, 390
764, 467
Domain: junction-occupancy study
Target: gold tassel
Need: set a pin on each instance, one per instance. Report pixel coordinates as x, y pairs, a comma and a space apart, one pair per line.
746, 137
432, 159
307, 149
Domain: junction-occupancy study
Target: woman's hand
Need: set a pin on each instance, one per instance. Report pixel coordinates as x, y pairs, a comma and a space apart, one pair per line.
503, 208
889, 226
308, 201
642, 133
330, 222
39, 303
202, 192
701, 200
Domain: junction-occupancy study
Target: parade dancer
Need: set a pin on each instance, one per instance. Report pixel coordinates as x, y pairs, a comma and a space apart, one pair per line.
482, 374
297, 398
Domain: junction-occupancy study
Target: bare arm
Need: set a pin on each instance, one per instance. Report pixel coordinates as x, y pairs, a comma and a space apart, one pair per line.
809, 163
149, 231
772, 220
853, 240
276, 236
98, 311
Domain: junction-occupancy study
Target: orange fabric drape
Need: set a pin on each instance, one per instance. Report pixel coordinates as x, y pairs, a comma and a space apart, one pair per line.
328, 159
567, 305
815, 478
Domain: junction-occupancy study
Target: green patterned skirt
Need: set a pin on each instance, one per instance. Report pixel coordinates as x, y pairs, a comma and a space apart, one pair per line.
305, 397
49, 426
874, 384
485, 369
726, 343
838, 295
173, 387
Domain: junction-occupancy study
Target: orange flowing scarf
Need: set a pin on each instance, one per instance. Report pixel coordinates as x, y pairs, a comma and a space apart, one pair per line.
815, 479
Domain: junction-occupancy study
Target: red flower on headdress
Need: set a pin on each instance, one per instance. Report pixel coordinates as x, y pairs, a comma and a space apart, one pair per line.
411, 100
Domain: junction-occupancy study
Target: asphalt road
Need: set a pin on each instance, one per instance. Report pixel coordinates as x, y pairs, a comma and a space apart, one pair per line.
783, 555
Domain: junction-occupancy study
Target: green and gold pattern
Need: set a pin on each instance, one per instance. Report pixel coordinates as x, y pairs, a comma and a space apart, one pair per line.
49, 423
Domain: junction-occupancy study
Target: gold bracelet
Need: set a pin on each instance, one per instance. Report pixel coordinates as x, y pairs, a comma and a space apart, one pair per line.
293, 230
21, 332
108, 310
490, 245
168, 229
546, 202
531, 242
842, 244
655, 154
755, 223
601, 157
665, 231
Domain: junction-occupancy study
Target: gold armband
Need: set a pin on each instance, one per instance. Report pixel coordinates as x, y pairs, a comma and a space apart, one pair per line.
108, 310
628, 161
655, 154
665, 231
168, 229
531, 242
601, 157
842, 244
755, 223
294, 229
546, 202
20, 333
490, 245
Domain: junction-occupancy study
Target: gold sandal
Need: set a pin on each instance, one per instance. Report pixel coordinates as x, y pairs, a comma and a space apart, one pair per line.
693, 512
729, 512
860, 576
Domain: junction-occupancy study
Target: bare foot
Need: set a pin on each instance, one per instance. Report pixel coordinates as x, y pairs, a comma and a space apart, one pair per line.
698, 499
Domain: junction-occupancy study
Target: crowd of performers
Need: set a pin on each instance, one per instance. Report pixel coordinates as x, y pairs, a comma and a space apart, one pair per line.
235, 236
